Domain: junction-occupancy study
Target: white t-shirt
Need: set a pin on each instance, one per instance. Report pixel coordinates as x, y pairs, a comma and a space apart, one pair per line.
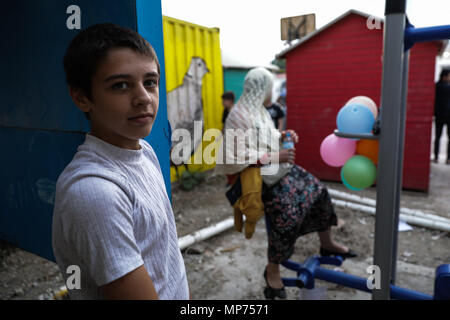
111, 216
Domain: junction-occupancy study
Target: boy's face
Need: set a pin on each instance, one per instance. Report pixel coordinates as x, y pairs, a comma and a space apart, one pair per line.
125, 98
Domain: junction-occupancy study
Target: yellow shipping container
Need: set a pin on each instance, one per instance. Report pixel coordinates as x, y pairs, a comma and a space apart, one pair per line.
194, 81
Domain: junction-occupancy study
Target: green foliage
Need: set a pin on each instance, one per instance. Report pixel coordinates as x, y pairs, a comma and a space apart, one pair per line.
189, 180
281, 63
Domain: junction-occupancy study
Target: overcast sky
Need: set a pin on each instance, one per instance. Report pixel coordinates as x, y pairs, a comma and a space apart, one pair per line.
250, 29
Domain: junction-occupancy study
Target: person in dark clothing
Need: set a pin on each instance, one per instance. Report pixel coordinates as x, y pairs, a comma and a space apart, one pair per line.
442, 112
228, 103
277, 114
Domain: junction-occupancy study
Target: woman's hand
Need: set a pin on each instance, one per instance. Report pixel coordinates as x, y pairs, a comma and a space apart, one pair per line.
293, 135
287, 155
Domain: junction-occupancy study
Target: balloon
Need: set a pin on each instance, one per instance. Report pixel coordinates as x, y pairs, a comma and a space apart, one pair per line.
355, 118
365, 101
359, 172
346, 183
335, 151
369, 149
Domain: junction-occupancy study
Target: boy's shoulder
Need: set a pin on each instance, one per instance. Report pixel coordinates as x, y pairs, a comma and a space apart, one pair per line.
88, 160
84, 187
87, 164
148, 149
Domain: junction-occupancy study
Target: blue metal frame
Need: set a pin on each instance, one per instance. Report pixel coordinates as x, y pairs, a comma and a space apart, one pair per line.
414, 35
311, 269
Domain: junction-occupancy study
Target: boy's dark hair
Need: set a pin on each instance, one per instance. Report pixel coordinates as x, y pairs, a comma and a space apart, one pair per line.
86, 51
229, 95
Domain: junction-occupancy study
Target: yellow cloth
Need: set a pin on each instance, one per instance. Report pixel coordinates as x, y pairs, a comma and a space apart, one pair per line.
250, 203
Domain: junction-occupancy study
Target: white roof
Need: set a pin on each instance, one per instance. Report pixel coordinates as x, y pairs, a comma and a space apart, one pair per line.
229, 61
299, 42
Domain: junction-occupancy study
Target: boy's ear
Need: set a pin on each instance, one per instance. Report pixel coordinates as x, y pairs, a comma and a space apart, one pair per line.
80, 99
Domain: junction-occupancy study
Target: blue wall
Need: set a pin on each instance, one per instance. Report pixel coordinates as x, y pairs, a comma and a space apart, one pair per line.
149, 25
40, 127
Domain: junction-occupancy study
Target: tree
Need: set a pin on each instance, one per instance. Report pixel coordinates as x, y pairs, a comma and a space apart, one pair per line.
281, 63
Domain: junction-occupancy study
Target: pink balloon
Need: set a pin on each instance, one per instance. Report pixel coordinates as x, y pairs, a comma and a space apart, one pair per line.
365, 101
335, 151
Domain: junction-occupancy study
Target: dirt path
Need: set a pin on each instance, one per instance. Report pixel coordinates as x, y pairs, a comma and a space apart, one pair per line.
230, 267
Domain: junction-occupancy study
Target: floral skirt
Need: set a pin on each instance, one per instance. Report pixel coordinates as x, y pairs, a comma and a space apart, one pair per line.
298, 204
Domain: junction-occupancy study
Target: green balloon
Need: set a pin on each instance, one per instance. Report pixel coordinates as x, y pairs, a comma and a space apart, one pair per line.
346, 183
359, 172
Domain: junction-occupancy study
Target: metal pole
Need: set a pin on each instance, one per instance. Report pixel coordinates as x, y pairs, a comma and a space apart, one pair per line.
387, 182
401, 147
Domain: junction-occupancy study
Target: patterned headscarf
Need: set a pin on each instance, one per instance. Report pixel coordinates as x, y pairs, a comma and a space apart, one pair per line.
250, 115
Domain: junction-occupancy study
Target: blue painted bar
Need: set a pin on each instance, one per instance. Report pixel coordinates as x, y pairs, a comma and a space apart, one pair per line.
290, 282
334, 260
291, 265
436, 33
427, 34
442, 283
310, 270
341, 278
359, 283
406, 294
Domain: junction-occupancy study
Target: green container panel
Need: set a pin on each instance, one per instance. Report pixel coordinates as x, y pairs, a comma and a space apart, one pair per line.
234, 80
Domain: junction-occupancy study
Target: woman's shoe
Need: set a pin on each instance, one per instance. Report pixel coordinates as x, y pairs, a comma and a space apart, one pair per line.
271, 293
349, 254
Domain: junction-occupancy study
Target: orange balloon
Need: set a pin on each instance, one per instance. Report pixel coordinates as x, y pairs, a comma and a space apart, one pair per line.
368, 148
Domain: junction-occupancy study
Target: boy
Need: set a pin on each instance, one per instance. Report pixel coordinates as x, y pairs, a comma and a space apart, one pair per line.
112, 216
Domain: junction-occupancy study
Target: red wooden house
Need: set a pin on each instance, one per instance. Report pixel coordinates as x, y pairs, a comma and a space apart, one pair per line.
341, 60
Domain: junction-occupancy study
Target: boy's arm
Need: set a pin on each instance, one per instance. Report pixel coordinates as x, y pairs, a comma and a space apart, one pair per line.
98, 219
135, 285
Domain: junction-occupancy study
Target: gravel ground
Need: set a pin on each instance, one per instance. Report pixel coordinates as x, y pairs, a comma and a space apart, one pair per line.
26, 276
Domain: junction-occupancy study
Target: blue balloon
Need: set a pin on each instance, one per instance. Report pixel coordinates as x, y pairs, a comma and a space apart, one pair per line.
355, 118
